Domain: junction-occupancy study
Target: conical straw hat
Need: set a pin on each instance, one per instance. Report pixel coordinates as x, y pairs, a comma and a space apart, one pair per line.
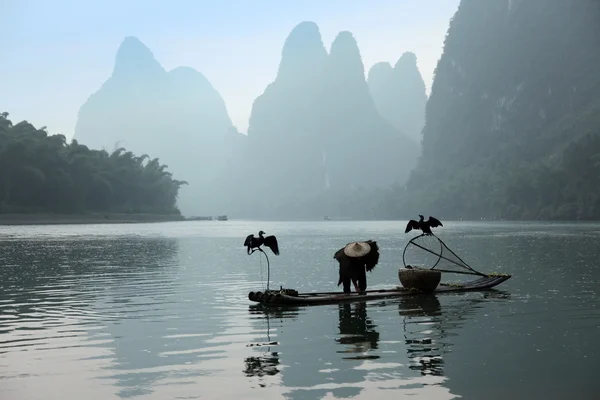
357, 249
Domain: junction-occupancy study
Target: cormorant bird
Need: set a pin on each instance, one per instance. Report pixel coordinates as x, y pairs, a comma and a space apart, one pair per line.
253, 243
424, 226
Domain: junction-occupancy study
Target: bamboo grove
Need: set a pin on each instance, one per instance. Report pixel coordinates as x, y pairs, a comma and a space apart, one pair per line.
43, 173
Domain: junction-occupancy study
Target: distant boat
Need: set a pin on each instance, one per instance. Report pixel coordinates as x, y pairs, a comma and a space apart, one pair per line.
326, 218
219, 218
199, 218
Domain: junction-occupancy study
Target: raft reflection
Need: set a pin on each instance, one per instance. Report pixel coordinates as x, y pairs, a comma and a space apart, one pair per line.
369, 343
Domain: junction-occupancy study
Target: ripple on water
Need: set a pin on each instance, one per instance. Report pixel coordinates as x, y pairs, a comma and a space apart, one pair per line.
158, 315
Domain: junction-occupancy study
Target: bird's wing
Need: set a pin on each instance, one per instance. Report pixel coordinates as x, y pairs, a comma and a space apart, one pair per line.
248, 240
412, 224
271, 242
433, 222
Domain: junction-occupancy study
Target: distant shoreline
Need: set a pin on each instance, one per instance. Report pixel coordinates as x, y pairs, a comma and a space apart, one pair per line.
96, 218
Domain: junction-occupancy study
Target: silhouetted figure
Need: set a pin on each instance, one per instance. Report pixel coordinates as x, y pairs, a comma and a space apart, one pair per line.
253, 243
357, 330
424, 226
355, 260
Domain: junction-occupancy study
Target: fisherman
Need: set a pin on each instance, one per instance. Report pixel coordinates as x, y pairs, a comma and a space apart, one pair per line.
355, 259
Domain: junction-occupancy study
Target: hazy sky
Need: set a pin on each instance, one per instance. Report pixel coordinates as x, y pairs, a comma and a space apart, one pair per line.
56, 53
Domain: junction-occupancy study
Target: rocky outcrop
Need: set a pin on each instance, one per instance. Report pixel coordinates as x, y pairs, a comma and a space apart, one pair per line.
400, 94
176, 116
318, 132
283, 128
362, 148
515, 99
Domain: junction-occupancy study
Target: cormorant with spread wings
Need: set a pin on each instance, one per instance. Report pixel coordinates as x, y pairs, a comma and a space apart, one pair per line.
253, 243
424, 226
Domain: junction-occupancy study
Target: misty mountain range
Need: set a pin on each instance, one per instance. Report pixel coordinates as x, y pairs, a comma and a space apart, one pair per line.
511, 128
319, 131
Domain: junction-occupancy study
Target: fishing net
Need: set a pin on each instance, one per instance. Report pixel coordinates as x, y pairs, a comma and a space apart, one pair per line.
429, 251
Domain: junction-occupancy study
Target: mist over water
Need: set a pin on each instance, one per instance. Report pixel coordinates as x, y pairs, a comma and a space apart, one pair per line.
155, 311
302, 120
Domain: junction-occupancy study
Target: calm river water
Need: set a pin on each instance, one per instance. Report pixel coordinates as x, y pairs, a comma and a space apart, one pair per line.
160, 311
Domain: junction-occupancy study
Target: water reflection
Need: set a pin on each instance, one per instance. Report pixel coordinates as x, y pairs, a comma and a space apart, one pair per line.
139, 317
41, 279
357, 331
267, 363
358, 365
60, 295
424, 333
427, 329
309, 366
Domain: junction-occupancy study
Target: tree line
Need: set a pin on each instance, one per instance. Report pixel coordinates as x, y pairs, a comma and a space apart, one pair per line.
563, 187
43, 173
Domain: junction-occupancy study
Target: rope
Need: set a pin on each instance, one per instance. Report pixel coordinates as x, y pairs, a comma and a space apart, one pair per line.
443, 245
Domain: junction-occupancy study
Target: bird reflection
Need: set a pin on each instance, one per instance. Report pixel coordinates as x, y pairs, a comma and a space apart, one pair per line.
267, 363
427, 328
357, 331
424, 333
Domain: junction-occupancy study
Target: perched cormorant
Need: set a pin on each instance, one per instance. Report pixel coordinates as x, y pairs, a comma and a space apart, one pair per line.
424, 226
253, 243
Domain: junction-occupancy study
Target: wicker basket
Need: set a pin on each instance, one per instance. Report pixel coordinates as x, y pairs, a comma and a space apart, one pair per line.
423, 279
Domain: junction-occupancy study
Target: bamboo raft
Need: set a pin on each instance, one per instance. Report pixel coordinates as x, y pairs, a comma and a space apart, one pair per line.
291, 297
414, 280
